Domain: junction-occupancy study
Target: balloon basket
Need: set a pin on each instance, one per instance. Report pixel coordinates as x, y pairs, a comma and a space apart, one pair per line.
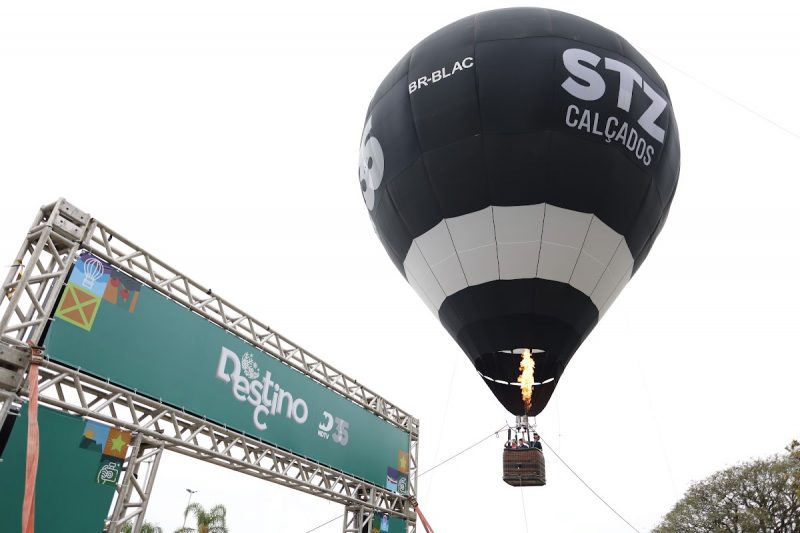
523, 467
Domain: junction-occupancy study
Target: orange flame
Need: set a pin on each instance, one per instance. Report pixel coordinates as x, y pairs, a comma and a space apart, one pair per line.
525, 379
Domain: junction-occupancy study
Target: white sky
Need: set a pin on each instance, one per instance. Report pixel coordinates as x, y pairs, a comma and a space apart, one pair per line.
223, 137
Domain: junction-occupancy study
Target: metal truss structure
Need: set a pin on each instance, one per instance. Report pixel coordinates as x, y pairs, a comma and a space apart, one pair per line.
134, 491
357, 519
28, 297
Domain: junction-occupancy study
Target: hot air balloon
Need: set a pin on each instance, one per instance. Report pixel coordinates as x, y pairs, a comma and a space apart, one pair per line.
517, 166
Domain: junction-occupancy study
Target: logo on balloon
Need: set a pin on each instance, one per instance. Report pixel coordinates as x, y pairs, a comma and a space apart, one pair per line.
591, 85
370, 165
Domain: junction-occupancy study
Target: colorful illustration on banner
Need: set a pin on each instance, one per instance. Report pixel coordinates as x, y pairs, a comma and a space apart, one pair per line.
78, 306
91, 282
391, 479
95, 435
380, 523
122, 291
402, 461
402, 484
108, 471
111, 444
117, 443
90, 274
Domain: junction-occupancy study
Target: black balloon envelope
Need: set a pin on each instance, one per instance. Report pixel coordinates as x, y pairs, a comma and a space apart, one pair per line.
518, 165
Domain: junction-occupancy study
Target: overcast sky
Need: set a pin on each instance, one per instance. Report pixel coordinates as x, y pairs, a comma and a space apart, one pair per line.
223, 137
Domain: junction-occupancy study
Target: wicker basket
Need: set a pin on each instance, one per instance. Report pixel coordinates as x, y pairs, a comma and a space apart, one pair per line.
523, 467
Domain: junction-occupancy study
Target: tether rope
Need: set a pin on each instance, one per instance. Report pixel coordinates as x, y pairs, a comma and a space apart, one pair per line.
428, 470
587, 485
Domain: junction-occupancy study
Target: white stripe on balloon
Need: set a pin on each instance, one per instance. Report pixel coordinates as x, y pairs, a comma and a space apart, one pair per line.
519, 242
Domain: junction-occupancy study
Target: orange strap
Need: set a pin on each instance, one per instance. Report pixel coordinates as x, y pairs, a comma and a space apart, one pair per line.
422, 519
32, 459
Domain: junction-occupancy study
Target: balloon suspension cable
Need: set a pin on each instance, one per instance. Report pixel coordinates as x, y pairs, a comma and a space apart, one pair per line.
522, 429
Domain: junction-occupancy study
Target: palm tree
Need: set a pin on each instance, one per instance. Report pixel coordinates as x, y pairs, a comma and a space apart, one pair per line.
211, 521
147, 527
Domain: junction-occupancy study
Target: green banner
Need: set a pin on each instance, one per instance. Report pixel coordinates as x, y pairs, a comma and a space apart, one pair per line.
109, 325
68, 494
383, 523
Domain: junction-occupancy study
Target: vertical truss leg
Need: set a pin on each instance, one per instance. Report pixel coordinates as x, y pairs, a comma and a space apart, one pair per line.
13, 363
413, 471
37, 273
5, 405
7, 400
133, 494
357, 519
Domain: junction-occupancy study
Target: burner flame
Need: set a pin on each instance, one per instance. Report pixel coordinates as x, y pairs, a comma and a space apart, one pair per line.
525, 379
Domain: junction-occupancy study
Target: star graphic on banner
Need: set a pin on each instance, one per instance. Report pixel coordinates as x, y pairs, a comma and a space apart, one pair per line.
403, 466
117, 443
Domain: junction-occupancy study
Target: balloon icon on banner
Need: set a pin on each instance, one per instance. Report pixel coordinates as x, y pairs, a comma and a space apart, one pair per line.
92, 271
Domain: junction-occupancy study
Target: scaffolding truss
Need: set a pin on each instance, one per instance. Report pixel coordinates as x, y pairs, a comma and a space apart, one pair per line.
75, 392
133, 493
29, 294
357, 519
138, 263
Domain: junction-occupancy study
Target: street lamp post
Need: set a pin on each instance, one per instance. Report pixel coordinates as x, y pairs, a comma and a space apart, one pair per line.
190, 491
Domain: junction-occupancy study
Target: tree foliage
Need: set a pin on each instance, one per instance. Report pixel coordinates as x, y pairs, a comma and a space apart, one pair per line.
762, 495
147, 527
208, 521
